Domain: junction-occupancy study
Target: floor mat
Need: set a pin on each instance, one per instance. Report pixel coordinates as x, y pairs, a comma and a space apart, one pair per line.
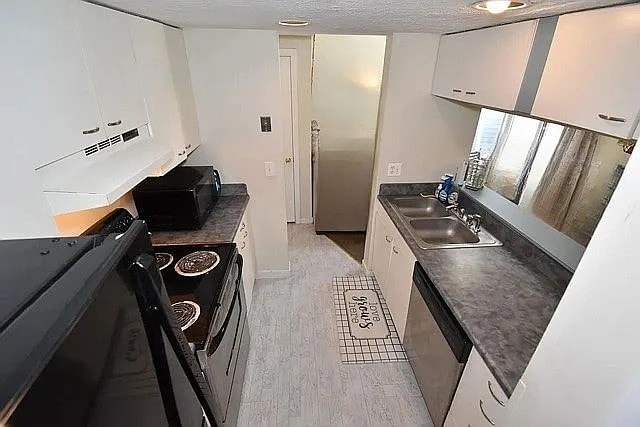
352, 242
366, 331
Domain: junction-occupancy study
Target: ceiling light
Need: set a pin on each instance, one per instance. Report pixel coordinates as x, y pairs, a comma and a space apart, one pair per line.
498, 6
294, 22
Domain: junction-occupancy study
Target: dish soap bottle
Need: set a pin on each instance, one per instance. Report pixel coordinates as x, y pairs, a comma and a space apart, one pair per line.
445, 187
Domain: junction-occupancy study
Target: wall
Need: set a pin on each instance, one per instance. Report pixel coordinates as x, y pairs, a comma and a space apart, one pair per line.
25, 212
428, 135
585, 369
347, 74
235, 78
303, 46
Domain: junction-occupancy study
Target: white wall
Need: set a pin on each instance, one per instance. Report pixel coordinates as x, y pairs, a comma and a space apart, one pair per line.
428, 135
303, 46
585, 369
235, 78
24, 212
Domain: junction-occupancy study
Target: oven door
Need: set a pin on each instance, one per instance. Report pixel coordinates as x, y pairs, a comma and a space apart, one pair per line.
222, 349
97, 348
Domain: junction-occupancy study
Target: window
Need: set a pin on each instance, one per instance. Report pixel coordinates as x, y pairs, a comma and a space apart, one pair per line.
563, 175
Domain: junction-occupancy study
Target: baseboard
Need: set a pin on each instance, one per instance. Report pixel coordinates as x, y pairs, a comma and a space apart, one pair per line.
273, 274
305, 221
366, 267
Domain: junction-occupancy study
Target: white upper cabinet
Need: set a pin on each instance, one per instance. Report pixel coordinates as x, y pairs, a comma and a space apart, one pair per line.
485, 67
46, 79
161, 64
591, 78
111, 62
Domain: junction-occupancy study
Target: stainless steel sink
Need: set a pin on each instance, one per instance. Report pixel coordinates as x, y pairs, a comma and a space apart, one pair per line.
443, 231
419, 207
433, 227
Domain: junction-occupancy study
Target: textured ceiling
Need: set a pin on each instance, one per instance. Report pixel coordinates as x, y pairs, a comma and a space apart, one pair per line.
345, 17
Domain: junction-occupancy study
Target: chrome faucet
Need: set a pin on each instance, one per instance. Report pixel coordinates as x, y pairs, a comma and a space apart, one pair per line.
471, 220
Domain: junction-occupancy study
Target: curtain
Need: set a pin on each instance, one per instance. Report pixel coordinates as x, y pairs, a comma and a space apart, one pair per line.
561, 179
497, 179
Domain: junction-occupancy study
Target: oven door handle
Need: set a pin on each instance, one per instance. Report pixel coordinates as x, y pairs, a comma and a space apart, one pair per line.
215, 341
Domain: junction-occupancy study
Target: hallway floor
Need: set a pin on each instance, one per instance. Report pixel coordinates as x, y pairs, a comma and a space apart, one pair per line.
352, 242
294, 375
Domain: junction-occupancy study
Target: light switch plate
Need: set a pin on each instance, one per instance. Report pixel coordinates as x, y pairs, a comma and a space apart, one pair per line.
394, 169
269, 169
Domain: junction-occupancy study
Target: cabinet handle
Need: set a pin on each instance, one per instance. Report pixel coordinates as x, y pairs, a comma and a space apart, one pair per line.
388, 239
90, 131
188, 146
243, 245
500, 402
484, 414
395, 250
457, 91
116, 123
612, 118
470, 92
246, 233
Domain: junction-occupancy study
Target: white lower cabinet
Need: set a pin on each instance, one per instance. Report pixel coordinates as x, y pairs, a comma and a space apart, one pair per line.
244, 240
392, 263
479, 400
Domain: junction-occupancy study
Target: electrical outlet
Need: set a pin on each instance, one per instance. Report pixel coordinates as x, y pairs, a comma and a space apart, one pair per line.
394, 169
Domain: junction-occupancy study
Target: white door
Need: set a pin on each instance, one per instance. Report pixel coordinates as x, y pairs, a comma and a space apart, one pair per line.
591, 79
111, 62
45, 80
289, 132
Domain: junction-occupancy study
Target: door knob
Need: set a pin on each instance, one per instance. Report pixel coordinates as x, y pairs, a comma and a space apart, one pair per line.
288, 159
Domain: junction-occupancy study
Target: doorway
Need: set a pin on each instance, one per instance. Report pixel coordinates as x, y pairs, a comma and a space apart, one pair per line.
347, 79
330, 91
289, 106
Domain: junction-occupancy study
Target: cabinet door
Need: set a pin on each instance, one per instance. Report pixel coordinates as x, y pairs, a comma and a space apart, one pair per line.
451, 75
109, 55
479, 400
485, 67
399, 282
45, 80
244, 242
591, 76
156, 81
184, 91
382, 238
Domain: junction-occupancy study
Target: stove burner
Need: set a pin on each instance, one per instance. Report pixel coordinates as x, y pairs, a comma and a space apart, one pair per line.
163, 260
197, 263
186, 312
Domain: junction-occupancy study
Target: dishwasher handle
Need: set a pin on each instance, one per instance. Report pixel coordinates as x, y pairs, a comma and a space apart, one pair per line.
452, 331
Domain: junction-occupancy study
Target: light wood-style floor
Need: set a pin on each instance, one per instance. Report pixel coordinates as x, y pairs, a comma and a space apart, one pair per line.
294, 375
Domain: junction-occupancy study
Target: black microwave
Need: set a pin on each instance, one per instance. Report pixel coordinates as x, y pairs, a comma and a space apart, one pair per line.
180, 200
88, 337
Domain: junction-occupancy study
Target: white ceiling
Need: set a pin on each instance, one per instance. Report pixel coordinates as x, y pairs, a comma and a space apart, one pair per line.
345, 17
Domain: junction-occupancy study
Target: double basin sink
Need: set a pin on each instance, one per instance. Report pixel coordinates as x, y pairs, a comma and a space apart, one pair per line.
434, 227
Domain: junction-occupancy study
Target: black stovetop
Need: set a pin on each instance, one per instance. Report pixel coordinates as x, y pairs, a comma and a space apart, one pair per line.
204, 290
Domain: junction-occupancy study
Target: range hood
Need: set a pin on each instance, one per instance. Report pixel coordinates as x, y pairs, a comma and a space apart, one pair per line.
100, 174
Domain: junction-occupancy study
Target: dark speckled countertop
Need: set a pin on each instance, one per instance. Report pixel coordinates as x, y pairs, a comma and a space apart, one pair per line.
221, 225
502, 301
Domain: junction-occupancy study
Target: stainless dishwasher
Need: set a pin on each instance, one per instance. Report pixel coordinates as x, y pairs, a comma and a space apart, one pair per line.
436, 345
